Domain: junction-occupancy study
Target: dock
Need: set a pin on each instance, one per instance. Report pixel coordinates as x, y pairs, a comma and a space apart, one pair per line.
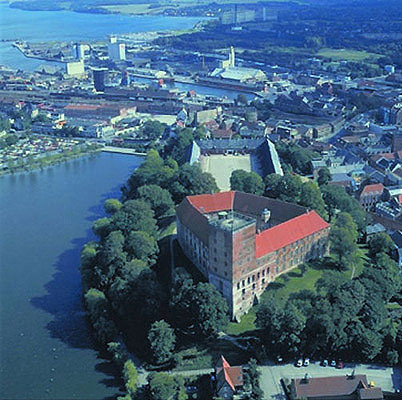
122, 150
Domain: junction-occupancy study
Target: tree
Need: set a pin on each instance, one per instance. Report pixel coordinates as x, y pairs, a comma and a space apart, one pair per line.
190, 180
161, 340
290, 188
200, 309
153, 129
112, 206
380, 243
101, 227
248, 182
178, 145
162, 386
143, 246
154, 170
336, 198
343, 245
130, 376
271, 182
118, 352
159, 199
253, 376
310, 196
112, 253
135, 215
324, 176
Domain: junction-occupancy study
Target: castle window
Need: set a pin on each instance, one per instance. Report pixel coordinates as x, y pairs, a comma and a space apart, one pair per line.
243, 291
253, 286
238, 285
243, 283
253, 278
248, 280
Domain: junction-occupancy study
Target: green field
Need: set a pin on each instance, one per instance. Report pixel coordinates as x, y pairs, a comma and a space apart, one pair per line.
347, 54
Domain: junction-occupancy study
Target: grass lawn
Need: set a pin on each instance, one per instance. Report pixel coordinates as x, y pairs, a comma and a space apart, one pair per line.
292, 282
206, 355
167, 227
246, 324
346, 54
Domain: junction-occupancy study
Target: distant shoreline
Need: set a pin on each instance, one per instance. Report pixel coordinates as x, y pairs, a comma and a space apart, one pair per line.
49, 161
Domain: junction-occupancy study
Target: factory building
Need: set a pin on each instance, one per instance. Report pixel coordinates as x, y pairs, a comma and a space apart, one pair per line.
242, 242
100, 77
116, 51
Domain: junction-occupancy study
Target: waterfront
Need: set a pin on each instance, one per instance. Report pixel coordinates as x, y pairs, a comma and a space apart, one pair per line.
37, 26
46, 350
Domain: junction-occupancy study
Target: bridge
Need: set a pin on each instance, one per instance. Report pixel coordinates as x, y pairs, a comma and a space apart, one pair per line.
122, 150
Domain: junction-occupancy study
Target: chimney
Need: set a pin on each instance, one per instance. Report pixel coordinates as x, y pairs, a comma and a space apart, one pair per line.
265, 215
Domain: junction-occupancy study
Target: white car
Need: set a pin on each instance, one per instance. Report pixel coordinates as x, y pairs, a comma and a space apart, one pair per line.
299, 363
306, 362
333, 363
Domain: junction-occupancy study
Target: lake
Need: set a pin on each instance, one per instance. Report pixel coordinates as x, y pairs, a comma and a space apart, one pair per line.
46, 217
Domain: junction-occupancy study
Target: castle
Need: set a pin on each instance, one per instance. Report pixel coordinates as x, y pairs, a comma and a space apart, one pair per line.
241, 242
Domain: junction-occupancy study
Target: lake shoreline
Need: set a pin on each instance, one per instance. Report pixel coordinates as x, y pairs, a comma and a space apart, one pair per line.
50, 162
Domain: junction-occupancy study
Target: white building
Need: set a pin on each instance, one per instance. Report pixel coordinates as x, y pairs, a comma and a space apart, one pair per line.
228, 70
116, 51
75, 68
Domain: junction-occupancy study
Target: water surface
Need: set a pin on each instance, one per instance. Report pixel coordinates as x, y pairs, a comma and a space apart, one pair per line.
46, 216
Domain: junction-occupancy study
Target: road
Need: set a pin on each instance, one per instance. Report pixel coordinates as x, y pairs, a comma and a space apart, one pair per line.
387, 378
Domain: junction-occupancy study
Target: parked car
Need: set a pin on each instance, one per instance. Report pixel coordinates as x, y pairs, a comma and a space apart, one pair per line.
333, 363
279, 360
324, 363
299, 362
306, 362
339, 365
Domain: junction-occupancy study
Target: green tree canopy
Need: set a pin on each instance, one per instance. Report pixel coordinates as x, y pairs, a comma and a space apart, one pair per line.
112, 205
135, 215
161, 339
159, 199
190, 180
324, 176
248, 182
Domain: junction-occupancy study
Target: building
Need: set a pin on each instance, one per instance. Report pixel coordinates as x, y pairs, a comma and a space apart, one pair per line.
228, 71
115, 50
79, 51
100, 77
371, 195
347, 387
242, 242
75, 68
228, 380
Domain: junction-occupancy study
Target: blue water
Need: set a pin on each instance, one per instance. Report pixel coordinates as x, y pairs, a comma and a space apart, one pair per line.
43, 26
46, 217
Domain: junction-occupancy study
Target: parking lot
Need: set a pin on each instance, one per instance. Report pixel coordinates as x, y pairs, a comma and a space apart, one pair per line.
389, 379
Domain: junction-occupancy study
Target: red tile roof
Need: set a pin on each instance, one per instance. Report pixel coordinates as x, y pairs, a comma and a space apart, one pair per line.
372, 189
225, 373
207, 203
288, 232
334, 386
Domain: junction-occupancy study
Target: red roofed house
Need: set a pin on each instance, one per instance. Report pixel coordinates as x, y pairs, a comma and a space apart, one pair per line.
242, 242
228, 379
346, 387
371, 195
